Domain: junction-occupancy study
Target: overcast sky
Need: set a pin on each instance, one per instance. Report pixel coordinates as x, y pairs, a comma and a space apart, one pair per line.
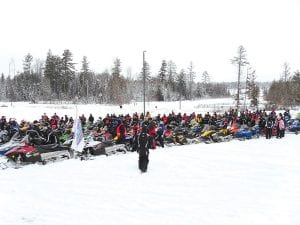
206, 32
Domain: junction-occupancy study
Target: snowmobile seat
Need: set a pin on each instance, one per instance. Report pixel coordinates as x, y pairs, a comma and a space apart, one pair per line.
48, 148
108, 142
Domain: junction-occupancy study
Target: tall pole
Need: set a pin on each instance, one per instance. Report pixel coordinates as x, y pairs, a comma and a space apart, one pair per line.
144, 81
180, 100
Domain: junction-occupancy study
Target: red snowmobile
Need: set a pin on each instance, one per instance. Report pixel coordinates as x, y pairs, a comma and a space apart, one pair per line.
33, 151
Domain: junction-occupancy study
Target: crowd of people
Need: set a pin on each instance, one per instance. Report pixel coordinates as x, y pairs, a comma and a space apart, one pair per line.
148, 131
119, 126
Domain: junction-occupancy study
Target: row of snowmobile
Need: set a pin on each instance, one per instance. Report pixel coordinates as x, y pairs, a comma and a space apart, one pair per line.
210, 134
221, 133
55, 145
33, 147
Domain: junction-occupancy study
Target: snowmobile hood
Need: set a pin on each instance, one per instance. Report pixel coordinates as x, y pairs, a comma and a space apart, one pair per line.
21, 149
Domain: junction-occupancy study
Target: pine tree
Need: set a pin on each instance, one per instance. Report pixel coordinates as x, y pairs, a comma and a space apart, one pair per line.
253, 89
181, 84
248, 82
10, 93
240, 61
2, 87
171, 75
147, 73
67, 72
85, 79
191, 76
205, 83
27, 63
53, 74
286, 86
162, 75
159, 95
117, 85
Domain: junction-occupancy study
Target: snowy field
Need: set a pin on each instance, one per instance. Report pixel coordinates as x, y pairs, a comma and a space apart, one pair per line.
27, 111
252, 182
239, 182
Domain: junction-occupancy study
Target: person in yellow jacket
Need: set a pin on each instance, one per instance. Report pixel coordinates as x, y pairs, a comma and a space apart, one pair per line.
198, 118
24, 126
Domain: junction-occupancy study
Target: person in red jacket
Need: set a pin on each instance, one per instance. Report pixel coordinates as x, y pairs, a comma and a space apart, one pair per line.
53, 123
121, 133
164, 119
185, 118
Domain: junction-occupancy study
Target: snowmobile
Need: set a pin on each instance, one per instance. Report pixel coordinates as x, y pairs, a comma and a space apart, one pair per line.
3, 162
4, 136
222, 135
102, 148
234, 128
209, 136
128, 142
28, 154
175, 137
15, 141
247, 133
207, 133
33, 151
295, 127
197, 130
95, 148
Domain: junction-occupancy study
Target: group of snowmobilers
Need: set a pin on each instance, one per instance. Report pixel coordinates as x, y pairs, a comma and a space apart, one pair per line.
149, 131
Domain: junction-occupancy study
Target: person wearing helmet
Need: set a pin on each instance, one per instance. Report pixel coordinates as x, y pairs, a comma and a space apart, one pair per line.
143, 143
3, 123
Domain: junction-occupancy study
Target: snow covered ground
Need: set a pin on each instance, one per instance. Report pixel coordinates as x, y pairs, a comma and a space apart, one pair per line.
252, 182
27, 111
238, 182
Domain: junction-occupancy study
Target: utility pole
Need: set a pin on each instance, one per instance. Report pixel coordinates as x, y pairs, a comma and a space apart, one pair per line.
144, 81
180, 100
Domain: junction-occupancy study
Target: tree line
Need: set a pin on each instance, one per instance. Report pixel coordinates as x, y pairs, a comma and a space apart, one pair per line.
56, 79
285, 92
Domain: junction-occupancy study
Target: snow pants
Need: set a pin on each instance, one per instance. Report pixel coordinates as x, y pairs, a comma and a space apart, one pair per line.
280, 133
143, 163
268, 133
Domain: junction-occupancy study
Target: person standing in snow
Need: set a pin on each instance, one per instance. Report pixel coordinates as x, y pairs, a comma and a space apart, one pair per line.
152, 133
159, 137
143, 142
269, 127
91, 119
280, 126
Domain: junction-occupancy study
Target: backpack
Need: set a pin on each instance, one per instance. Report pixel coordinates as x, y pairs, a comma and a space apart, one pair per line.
143, 144
143, 141
269, 124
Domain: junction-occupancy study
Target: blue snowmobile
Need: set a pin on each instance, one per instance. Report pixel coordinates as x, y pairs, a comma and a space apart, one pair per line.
295, 127
247, 133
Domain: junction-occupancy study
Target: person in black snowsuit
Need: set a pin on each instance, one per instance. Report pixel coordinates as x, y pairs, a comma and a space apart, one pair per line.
143, 143
269, 127
91, 119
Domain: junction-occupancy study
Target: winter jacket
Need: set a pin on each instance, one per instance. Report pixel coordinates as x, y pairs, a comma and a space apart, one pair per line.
269, 124
281, 124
